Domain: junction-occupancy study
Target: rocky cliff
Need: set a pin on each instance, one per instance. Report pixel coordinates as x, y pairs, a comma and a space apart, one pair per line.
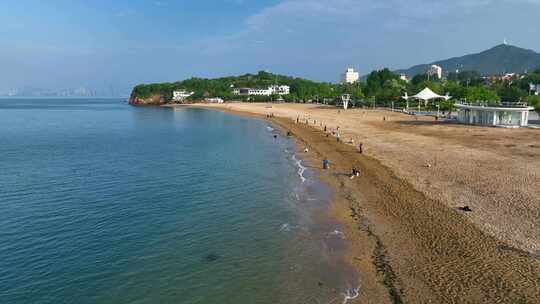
152, 100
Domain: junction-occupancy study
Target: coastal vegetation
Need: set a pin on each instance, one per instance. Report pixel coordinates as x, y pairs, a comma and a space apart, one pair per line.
471, 78
380, 88
301, 89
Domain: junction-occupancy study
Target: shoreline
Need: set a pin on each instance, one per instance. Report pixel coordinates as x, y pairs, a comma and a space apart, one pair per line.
336, 210
407, 247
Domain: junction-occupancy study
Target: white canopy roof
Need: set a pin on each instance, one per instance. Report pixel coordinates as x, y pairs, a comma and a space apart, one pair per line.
427, 94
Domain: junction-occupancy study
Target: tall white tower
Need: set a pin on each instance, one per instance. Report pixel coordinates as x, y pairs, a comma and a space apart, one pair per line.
436, 71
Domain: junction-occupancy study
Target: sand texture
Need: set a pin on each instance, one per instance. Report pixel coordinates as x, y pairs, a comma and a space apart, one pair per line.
411, 243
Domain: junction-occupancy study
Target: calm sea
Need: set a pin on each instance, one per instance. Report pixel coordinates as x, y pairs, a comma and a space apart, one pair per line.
101, 202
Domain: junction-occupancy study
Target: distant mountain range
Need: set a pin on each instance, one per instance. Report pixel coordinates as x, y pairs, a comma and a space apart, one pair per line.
500, 59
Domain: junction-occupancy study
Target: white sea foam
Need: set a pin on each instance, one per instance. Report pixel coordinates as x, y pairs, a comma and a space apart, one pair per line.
301, 168
337, 233
351, 294
287, 227
269, 128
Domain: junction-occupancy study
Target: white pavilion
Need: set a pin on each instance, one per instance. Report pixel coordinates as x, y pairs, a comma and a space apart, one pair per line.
499, 115
425, 95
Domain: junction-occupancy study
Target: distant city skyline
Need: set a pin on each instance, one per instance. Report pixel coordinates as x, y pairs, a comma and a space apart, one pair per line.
64, 92
99, 45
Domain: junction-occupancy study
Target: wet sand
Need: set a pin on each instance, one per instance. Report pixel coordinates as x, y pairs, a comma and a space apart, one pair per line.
410, 243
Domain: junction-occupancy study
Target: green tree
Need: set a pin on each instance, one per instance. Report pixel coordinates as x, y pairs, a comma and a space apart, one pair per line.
377, 79
534, 101
474, 94
455, 89
511, 93
466, 78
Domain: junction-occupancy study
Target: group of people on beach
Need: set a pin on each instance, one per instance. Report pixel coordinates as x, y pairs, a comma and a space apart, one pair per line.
326, 163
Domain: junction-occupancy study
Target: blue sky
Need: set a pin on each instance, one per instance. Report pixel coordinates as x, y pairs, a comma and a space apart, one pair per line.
96, 43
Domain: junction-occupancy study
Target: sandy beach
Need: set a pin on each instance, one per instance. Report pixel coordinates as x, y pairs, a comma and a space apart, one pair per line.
411, 242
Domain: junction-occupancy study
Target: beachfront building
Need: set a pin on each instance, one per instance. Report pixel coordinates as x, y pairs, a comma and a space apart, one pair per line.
350, 76
280, 89
509, 115
181, 95
214, 100
271, 90
435, 71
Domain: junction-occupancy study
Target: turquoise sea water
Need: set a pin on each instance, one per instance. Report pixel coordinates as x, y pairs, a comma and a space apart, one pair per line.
101, 202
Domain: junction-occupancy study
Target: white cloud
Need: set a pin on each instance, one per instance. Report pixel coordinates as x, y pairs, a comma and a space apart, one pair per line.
395, 33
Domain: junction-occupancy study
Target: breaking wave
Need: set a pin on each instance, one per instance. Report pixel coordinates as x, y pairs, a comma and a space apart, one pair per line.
350, 294
287, 227
337, 233
301, 168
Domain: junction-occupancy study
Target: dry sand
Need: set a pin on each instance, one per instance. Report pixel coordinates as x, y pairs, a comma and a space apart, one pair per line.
410, 242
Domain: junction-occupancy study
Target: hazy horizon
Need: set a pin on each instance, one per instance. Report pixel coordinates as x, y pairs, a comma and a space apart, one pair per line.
109, 47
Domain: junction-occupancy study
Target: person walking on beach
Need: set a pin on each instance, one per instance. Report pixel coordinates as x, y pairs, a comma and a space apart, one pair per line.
360, 148
337, 137
324, 128
326, 164
297, 119
354, 173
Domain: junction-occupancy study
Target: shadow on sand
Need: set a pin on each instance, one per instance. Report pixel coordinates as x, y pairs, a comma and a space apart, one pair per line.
427, 123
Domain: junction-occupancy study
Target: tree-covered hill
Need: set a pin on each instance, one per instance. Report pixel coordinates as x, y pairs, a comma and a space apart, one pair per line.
495, 61
301, 89
381, 88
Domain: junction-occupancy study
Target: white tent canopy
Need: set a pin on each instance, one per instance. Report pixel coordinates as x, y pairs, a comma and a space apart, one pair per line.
426, 95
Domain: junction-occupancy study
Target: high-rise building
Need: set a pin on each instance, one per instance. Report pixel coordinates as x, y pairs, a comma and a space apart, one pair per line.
436, 71
350, 76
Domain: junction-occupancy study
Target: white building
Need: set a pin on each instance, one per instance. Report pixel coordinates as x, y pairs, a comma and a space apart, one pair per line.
436, 71
509, 116
280, 89
181, 95
350, 76
214, 100
275, 89
404, 77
